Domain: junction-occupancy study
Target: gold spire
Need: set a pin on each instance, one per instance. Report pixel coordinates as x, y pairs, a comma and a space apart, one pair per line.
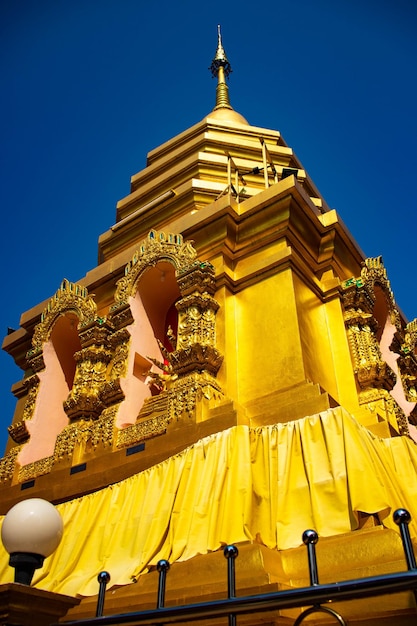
221, 68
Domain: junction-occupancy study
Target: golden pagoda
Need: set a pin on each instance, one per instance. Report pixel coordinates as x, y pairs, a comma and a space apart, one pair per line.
234, 370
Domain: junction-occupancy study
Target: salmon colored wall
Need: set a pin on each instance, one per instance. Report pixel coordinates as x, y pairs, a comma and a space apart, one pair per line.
143, 344
49, 417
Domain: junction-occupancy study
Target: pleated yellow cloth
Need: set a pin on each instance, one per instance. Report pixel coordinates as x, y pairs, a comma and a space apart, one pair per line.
242, 484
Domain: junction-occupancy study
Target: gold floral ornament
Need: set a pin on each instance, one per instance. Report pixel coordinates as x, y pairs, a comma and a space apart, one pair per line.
369, 303
84, 401
69, 297
405, 344
158, 246
196, 342
359, 299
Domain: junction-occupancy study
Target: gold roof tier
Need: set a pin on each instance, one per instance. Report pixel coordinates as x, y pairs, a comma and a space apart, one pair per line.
214, 158
221, 155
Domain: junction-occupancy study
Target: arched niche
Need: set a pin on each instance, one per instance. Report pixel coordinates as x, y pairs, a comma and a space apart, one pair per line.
54, 346
145, 308
66, 342
158, 290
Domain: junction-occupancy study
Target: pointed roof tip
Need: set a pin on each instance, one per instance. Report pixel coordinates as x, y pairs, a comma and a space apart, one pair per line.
220, 58
221, 68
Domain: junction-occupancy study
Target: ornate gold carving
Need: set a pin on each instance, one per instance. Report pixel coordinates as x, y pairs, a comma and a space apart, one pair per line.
187, 391
36, 361
8, 464
155, 405
120, 342
161, 381
69, 297
96, 393
157, 246
195, 350
374, 376
84, 400
374, 273
411, 334
93, 332
380, 403
38, 468
121, 315
32, 385
196, 358
18, 432
196, 320
178, 401
141, 431
400, 417
359, 293
197, 277
85, 432
111, 393
404, 343
195, 346
359, 301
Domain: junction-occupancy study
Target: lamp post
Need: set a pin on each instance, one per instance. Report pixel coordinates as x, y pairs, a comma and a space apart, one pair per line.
31, 531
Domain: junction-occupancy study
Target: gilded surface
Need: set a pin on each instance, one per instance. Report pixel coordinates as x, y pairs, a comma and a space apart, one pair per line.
374, 273
405, 345
196, 320
197, 277
178, 401
69, 297
141, 431
8, 464
370, 369
120, 342
83, 399
189, 390
157, 247
374, 376
19, 432
196, 341
32, 385
77, 434
38, 468
84, 432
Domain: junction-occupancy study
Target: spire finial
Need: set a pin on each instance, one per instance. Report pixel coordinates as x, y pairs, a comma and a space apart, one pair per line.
221, 68
220, 58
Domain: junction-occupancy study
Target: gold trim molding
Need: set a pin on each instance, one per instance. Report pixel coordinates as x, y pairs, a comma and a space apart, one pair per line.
69, 297
158, 246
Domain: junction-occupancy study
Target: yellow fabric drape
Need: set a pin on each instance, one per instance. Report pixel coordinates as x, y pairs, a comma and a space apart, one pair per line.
268, 483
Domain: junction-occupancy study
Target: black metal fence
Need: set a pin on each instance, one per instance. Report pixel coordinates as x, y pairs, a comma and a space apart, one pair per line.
314, 596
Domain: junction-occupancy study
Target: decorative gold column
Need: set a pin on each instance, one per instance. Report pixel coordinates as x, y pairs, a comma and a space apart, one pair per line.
405, 344
374, 376
195, 350
84, 401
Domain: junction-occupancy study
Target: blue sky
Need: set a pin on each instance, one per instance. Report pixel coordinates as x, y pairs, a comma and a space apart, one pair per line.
90, 86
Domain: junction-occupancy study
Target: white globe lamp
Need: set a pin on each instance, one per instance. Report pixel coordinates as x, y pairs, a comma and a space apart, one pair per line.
31, 531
